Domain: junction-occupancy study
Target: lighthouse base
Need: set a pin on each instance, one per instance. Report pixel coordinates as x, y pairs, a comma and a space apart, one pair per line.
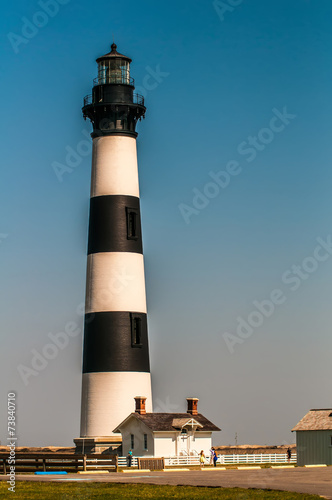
102, 444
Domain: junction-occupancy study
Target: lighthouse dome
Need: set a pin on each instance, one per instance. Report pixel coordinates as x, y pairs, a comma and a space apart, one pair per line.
113, 54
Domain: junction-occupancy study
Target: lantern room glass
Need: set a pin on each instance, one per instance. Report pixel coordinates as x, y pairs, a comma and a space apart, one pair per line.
113, 70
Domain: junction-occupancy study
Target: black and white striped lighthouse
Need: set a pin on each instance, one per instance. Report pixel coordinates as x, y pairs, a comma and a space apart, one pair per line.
115, 352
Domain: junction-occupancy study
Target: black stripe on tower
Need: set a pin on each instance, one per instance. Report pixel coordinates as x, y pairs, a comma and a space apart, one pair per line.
115, 341
115, 224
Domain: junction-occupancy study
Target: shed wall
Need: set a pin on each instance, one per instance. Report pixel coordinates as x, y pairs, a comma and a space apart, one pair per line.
314, 447
138, 429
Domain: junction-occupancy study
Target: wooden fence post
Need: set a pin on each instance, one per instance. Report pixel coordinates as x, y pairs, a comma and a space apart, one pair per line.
84, 462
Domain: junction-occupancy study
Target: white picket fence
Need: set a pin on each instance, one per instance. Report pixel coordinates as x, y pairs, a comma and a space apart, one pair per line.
122, 462
258, 458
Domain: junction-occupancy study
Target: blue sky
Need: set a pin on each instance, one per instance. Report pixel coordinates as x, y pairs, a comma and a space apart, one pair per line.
219, 82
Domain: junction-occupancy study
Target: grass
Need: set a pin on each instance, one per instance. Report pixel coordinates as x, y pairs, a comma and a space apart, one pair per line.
96, 491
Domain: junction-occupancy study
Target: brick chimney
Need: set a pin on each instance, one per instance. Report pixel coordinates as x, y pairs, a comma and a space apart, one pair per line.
192, 406
140, 405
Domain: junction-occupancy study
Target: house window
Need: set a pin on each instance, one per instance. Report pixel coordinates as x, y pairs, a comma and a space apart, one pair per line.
145, 442
132, 220
330, 440
136, 330
132, 441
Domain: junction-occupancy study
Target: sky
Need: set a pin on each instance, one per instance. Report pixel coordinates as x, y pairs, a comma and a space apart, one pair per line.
235, 182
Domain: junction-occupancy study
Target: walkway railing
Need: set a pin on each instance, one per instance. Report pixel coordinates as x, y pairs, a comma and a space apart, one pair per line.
123, 79
137, 99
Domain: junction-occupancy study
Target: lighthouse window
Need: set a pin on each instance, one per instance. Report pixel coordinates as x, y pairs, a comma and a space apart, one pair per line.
102, 73
132, 441
114, 71
132, 216
136, 331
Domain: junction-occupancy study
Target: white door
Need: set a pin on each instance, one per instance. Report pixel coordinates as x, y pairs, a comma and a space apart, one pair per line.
183, 443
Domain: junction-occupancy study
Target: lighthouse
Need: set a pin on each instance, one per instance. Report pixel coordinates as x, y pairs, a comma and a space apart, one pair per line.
116, 366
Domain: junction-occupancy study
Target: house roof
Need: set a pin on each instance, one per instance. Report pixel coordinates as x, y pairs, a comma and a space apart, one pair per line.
315, 420
170, 421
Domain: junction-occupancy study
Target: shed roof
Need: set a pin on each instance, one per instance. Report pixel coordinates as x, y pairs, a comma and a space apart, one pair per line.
315, 420
166, 421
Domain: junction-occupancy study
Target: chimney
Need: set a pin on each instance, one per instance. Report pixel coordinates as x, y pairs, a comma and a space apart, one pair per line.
140, 405
192, 406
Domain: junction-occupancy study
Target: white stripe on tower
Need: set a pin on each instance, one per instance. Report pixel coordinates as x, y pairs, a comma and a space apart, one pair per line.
115, 282
115, 354
114, 166
109, 396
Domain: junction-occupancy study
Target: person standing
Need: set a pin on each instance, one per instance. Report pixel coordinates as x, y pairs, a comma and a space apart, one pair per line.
129, 458
211, 456
289, 454
202, 458
215, 457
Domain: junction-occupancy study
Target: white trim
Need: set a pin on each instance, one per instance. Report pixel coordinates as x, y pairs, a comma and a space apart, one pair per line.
124, 423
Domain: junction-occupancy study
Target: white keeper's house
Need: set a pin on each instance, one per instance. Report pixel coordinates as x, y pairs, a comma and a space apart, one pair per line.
314, 438
166, 434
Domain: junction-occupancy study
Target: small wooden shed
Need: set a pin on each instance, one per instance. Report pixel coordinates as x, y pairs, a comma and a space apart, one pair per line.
314, 438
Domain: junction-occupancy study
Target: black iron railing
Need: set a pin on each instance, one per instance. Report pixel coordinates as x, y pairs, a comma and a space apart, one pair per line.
88, 100
137, 99
117, 79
